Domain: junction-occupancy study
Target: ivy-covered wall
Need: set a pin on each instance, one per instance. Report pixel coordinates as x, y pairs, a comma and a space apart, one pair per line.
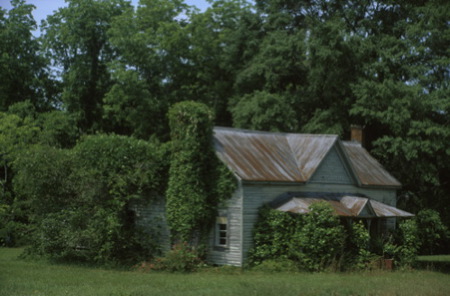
198, 181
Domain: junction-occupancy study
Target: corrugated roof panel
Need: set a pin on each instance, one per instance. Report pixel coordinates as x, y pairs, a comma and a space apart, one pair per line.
257, 156
265, 156
368, 170
384, 211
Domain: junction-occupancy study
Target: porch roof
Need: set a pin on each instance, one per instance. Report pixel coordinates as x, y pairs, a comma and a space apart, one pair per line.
345, 205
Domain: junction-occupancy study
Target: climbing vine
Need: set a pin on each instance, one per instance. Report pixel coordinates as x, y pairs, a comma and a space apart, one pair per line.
197, 180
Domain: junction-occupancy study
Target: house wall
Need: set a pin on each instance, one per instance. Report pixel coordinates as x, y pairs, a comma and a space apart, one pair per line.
232, 254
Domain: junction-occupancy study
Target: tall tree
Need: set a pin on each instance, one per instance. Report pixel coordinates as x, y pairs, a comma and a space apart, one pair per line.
150, 42
75, 39
171, 52
403, 98
219, 44
22, 68
332, 68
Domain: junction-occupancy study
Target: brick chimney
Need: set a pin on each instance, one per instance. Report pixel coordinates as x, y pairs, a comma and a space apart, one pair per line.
357, 134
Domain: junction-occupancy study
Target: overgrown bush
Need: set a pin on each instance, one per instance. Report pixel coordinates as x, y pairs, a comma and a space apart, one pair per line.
181, 258
79, 199
403, 245
272, 235
197, 180
14, 226
320, 241
358, 253
314, 240
431, 232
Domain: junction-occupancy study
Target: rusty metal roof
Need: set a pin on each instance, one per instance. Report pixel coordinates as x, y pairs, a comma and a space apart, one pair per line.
343, 205
368, 170
287, 157
386, 211
266, 156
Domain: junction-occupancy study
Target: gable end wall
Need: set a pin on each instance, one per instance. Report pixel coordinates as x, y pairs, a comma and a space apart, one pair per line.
332, 170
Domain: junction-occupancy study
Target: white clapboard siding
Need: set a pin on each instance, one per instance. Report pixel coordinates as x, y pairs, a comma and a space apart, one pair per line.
232, 254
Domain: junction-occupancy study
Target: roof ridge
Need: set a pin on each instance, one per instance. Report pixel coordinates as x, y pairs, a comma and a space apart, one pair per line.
249, 131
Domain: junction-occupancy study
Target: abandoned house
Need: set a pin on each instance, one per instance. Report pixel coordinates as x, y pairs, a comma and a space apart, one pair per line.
289, 172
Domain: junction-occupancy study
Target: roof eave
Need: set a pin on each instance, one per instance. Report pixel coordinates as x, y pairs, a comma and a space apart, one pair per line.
271, 182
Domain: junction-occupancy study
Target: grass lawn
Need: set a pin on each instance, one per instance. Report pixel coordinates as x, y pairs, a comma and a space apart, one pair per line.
19, 277
435, 258
434, 262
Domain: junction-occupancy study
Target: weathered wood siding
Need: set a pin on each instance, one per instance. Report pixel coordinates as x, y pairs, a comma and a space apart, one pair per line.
150, 215
232, 254
333, 169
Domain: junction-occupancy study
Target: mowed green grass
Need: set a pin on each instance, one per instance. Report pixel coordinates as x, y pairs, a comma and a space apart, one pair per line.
435, 258
19, 277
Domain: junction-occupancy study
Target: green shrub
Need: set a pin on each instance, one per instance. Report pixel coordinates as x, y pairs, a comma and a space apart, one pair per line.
320, 241
197, 182
358, 254
181, 258
272, 235
403, 245
14, 227
79, 200
314, 240
431, 232
409, 243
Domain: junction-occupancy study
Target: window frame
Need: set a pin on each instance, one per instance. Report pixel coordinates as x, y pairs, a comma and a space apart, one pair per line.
220, 233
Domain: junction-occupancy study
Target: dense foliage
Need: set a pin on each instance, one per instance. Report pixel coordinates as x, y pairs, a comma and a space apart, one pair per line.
78, 200
403, 246
196, 182
319, 240
189, 193
294, 66
272, 235
314, 240
433, 234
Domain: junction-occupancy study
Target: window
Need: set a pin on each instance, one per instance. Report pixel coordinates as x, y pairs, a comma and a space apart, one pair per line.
221, 231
